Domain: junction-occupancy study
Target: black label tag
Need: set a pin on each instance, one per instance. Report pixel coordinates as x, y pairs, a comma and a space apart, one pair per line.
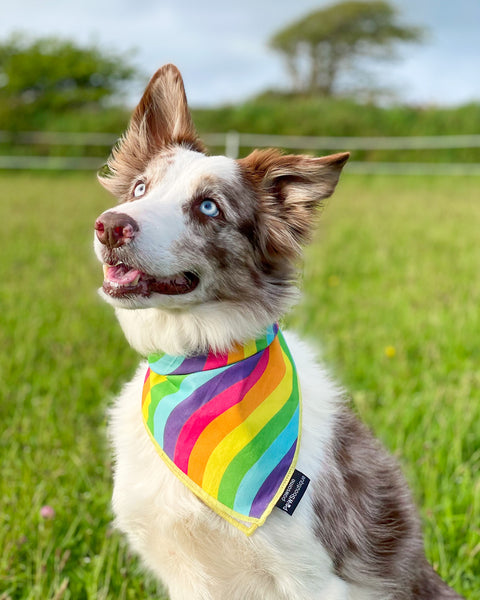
293, 493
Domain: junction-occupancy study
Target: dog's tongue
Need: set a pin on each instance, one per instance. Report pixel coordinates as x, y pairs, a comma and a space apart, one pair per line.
121, 274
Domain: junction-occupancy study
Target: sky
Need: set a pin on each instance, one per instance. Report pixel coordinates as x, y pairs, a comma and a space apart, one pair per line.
221, 47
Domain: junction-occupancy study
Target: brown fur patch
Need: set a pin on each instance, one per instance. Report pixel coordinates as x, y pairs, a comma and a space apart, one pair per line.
161, 120
289, 189
366, 519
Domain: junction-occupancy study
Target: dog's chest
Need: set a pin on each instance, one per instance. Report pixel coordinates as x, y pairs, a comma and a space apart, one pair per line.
179, 538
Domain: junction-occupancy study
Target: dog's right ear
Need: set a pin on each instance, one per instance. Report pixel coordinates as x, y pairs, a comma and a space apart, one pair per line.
289, 189
160, 120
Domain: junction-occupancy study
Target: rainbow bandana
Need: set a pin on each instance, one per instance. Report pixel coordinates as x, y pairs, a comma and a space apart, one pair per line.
228, 425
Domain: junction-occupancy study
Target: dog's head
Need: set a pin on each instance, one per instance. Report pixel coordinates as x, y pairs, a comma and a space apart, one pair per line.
197, 233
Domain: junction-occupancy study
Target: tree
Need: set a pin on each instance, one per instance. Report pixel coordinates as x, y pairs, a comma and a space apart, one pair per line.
328, 41
51, 75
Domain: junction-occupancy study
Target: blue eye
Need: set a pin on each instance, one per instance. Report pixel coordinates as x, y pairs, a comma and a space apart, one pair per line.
139, 189
209, 208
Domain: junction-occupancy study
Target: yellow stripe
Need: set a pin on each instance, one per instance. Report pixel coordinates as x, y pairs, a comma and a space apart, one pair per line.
155, 378
243, 434
250, 348
146, 405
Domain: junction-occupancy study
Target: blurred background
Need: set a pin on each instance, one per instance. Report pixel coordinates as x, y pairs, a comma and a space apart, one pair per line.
391, 286
309, 68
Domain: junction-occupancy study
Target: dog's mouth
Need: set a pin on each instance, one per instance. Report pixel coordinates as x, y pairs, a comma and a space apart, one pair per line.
120, 281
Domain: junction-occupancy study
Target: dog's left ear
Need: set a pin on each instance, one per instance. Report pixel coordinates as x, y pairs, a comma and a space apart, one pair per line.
162, 116
161, 119
290, 188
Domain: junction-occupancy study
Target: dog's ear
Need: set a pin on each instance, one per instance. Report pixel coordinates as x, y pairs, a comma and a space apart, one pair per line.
162, 117
160, 120
289, 189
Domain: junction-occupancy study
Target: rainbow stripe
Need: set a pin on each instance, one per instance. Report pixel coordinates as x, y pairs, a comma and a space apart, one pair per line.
228, 425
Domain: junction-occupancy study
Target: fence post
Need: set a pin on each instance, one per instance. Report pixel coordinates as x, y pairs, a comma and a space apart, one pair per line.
232, 144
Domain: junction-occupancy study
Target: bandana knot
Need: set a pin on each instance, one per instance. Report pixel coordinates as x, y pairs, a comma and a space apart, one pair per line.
228, 425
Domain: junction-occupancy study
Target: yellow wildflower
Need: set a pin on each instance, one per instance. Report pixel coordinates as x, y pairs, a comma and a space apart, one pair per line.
390, 351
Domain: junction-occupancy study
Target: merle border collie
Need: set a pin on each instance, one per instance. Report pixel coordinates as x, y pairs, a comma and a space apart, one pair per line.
200, 259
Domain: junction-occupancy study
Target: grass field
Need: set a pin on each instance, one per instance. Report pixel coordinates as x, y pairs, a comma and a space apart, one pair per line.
392, 296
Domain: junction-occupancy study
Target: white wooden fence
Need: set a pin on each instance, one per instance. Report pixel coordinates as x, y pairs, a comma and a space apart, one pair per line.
232, 142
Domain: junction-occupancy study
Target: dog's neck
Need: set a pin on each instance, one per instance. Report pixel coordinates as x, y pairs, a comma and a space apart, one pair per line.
216, 326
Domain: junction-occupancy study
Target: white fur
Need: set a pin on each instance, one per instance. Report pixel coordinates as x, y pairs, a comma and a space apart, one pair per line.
211, 325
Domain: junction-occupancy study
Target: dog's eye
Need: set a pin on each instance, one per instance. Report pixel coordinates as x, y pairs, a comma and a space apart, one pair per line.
139, 189
209, 208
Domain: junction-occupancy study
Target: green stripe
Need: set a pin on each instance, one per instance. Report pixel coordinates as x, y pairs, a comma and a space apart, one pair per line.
286, 349
158, 392
262, 343
249, 455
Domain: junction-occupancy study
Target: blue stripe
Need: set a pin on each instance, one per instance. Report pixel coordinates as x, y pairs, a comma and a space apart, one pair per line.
166, 364
256, 475
270, 334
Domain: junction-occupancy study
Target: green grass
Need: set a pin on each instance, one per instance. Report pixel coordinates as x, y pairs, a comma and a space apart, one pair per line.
394, 266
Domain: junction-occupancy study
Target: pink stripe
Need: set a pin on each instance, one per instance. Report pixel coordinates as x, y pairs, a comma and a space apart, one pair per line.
214, 361
147, 375
218, 405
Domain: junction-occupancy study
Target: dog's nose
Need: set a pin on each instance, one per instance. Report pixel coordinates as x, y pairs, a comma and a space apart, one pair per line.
115, 229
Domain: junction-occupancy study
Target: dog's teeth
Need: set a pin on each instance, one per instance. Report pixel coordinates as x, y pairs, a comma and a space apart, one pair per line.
105, 269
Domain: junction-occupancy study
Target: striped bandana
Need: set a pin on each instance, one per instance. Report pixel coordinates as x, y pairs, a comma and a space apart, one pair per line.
228, 425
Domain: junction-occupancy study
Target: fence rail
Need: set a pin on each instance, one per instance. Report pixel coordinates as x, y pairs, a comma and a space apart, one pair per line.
58, 138
234, 139
233, 142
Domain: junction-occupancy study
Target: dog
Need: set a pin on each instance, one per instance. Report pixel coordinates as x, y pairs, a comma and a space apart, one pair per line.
200, 258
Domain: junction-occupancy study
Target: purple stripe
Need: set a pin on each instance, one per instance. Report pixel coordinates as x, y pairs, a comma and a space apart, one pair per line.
271, 484
193, 364
181, 413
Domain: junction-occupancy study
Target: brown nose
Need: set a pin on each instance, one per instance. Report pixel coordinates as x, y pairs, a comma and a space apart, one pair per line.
115, 229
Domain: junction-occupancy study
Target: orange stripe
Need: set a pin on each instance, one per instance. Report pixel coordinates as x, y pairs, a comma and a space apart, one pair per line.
236, 355
218, 429
146, 390
146, 397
